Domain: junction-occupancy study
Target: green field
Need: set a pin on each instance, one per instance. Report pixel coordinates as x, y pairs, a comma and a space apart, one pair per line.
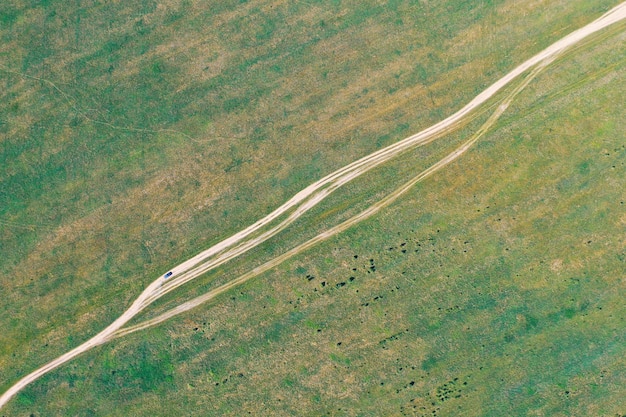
135, 134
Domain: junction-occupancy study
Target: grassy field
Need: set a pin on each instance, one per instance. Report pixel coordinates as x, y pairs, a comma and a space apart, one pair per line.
136, 134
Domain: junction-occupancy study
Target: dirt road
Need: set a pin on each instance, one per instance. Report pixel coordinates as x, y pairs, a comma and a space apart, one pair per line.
306, 199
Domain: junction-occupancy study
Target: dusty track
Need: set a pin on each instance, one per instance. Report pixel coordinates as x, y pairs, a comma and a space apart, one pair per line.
309, 197
340, 227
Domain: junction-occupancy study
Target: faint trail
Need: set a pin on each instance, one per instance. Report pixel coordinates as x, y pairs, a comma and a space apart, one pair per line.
312, 195
30, 227
72, 102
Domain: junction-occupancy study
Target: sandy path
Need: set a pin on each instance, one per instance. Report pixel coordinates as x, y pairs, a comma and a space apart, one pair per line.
370, 211
311, 196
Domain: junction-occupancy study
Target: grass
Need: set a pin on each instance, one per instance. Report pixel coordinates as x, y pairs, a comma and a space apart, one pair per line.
92, 212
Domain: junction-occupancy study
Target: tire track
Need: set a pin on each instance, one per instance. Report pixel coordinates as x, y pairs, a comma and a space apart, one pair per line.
312, 195
375, 208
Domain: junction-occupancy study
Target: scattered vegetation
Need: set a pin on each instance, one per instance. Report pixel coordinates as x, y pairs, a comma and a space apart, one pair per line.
135, 135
